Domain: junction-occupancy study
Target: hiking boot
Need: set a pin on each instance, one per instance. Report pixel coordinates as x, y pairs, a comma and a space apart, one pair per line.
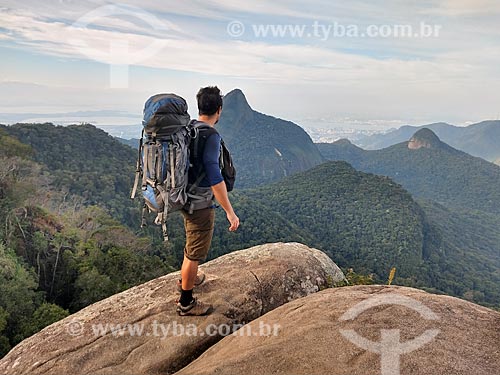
194, 308
200, 278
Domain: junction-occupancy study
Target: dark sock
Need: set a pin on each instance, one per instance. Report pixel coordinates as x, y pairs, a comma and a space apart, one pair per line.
186, 297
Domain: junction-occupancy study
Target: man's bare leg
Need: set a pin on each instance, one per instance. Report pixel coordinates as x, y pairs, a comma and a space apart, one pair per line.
187, 304
189, 270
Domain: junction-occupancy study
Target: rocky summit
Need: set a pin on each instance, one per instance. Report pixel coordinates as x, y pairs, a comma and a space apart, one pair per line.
278, 316
138, 331
364, 330
424, 138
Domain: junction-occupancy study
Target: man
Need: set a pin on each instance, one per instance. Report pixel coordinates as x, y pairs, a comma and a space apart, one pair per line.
206, 176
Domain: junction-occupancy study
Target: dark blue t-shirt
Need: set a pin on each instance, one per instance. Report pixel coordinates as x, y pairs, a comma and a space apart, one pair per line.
211, 156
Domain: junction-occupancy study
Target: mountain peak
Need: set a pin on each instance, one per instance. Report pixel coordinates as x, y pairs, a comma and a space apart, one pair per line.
342, 142
265, 148
424, 138
237, 100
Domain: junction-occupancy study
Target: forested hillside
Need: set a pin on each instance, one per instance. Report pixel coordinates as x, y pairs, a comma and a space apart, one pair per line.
85, 161
470, 240
57, 253
361, 220
370, 223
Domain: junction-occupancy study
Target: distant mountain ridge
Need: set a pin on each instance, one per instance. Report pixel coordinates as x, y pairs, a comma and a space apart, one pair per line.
481, 139
430, 169
264, 148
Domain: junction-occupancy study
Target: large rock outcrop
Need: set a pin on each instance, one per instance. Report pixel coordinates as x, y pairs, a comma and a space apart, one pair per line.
424, 138
242, 286
359, 330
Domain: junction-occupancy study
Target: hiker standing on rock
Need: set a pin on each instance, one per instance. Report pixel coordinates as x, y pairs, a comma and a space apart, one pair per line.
206, 182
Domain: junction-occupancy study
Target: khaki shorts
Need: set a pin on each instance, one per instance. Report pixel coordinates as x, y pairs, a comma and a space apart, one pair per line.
199, 231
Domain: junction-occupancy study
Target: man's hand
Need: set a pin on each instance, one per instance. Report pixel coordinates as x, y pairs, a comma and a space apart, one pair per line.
234, 221
220, 193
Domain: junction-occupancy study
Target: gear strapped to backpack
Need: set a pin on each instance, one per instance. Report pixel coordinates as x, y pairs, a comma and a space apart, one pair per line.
164, 158
227, 167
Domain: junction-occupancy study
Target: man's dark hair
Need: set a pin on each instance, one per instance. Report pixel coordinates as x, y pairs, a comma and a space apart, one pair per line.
209, 100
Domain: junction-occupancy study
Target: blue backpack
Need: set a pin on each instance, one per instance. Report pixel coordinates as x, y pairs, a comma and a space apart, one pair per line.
163, 160
167, 142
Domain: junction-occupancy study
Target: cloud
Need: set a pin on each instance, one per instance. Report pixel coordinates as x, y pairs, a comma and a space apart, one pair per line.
196, 48
256, 60
466, 7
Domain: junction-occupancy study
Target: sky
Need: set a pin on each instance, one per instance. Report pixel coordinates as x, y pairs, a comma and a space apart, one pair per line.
320, 62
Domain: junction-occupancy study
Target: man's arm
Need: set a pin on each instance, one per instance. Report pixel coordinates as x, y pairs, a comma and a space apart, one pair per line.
220, 193
214, 177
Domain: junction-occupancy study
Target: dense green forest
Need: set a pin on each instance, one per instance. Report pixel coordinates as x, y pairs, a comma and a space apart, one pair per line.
470, 240
58, 255
70, 237
370, 223
361, 220
84, 161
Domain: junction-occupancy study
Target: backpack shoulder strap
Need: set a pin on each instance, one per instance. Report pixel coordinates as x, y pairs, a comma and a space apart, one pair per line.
201, 130
138, 168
